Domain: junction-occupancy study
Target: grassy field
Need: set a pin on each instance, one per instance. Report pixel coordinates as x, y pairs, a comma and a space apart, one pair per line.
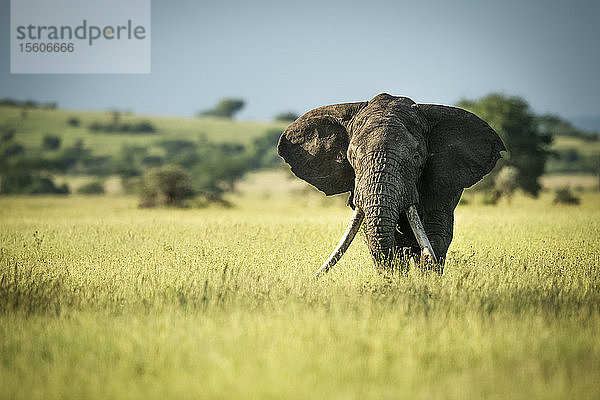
99, 299
574, 181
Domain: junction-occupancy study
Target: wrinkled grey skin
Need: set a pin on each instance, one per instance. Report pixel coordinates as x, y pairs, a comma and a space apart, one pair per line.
391, 153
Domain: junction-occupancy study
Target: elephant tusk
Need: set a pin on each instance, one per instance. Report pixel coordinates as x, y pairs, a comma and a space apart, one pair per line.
344, 243
419, 231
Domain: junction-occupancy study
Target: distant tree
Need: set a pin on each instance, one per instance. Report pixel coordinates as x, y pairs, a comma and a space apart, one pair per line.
96, 126
181, 152
7, 133
44, 185
73, 157
8, 102
226, 108
528, 146
91, 188
286, 116
73, 121
29, 182
176, 146
152, 161
168, 186
215, 168
565, 196
51, 142
128, 163
12, 150
144, 126
115, 126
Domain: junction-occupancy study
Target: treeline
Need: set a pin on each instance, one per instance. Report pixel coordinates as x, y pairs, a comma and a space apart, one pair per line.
137, 127
212, 168
168, 171
9, 102
116, 125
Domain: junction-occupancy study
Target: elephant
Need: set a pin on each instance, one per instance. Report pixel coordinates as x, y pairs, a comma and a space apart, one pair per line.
404, 164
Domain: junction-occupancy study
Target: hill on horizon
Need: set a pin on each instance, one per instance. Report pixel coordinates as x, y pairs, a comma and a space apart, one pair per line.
587, 122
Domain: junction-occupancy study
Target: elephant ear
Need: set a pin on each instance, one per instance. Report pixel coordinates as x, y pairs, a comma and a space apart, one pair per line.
315, 147
462, 147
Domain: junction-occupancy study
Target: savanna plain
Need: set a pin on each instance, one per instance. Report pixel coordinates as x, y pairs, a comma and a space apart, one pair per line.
100, 299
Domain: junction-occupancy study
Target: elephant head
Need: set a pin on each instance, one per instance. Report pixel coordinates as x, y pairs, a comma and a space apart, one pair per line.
404, 164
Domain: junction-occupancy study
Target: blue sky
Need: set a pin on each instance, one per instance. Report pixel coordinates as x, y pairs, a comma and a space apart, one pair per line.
297, 55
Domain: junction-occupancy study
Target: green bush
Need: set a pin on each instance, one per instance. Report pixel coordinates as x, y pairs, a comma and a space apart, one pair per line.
45, 185
73, 121
143, 126
25, 182
166, 186
7, 133
12, 150
50, 142
565, 196
152, 161
135, 127
174, 147
91, 188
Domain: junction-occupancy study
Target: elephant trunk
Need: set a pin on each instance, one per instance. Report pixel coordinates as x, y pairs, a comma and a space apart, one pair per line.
384, 189
381, 217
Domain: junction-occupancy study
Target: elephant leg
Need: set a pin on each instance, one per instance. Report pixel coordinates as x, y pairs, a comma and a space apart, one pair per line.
438, 220
439, 225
